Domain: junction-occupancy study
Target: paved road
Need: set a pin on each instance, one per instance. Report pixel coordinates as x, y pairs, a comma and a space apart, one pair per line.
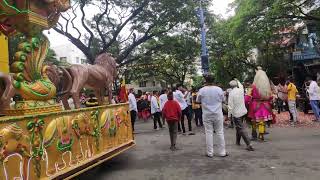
289, 154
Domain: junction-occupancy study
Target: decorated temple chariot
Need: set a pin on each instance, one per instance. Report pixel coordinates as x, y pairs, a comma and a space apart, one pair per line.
39, 137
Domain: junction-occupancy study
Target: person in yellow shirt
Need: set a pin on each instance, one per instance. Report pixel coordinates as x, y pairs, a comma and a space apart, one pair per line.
292, 97
196, 109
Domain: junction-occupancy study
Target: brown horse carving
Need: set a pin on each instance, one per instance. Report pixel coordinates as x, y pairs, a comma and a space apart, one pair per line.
97, 77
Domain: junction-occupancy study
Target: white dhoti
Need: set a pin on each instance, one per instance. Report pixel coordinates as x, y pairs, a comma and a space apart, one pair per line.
214, 122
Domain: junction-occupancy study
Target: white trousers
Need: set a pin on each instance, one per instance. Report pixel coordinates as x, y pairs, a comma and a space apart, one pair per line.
214, 122
293, 110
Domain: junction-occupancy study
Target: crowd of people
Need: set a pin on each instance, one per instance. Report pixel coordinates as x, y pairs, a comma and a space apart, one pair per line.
150, 105
286, 93
251, 102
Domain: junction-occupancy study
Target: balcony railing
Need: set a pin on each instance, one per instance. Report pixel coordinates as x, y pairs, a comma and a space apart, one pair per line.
305, 55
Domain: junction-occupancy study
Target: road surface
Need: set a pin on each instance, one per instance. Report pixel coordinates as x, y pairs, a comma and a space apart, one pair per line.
289, 154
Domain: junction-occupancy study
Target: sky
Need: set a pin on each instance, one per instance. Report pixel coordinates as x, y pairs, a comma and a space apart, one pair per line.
221, 7
218, 7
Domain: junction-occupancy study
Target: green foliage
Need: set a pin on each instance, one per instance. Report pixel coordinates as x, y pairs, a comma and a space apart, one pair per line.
228, 54
260, 25
153, 40
122, 27
198, 81
171, 62
51, 59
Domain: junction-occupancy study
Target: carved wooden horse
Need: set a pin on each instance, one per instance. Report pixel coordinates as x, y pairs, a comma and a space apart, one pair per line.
97, 77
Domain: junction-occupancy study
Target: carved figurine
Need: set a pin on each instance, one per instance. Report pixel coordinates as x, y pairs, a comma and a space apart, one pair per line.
55, 75
97, 77
31, 17
13, 14
14, 143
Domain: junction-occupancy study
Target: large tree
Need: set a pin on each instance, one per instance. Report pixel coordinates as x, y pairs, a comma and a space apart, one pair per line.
119, 27
229, 55
257, 25
295, 9
172, 61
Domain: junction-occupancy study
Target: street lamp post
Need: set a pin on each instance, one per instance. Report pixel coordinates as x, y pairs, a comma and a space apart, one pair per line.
204, 50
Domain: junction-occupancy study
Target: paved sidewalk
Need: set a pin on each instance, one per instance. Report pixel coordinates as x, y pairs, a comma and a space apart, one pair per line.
289, 154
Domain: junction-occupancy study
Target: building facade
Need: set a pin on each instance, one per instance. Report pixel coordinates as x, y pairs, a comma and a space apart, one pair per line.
147, 85
306, 49
70, 54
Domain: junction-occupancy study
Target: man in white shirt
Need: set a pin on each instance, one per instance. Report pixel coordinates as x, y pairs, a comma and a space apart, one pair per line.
188, 98
132, 107
148, 96
180, 98
237, 109
163, 99
314, 96
210, 97
155, 110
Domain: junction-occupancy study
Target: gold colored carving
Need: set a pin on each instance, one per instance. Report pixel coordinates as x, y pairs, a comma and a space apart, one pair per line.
14, 146
69, 141
32, 107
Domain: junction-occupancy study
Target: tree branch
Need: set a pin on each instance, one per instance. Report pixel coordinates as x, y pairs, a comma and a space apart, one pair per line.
120, 27
67, 22
78, 43
82, 5
126, 39
103, 38
305, 14
149, 52
143, 39
72, 23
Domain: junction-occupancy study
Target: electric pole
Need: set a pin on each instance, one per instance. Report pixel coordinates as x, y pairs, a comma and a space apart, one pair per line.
204, 50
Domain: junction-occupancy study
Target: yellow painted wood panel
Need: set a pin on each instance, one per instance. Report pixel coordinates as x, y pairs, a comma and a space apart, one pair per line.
63, 143
4, 57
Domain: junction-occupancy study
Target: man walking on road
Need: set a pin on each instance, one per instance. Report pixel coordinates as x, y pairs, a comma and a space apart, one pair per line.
211, 97
237, 109
155, 110
163, 99
132, 107
188, 98
171, 112
179, 97
314, 96
292, 96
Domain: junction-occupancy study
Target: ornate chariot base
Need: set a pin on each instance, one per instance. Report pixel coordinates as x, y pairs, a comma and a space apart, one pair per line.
91, 163
32, 107
61, 145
